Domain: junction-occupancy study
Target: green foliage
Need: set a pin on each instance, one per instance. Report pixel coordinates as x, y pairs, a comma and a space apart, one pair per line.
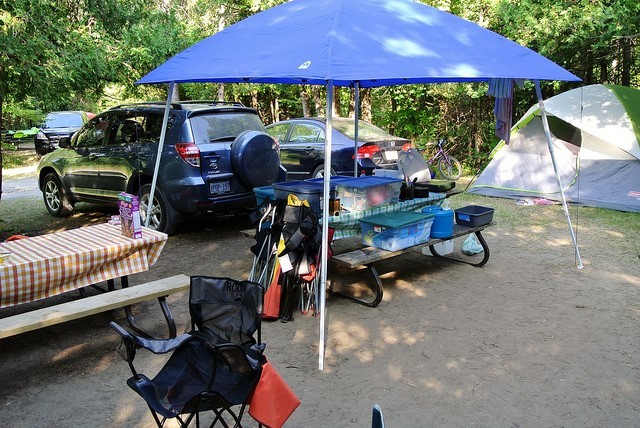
588, 37
84, 54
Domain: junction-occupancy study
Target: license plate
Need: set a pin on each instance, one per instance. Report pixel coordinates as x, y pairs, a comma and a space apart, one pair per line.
219, 187
391, 155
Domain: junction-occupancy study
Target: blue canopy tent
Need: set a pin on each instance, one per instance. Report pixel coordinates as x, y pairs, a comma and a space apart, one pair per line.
353, 43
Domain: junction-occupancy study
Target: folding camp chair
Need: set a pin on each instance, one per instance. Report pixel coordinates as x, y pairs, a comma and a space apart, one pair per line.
214, 367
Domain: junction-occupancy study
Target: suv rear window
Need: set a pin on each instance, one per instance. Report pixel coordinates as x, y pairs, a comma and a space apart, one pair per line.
223, 126
63, 120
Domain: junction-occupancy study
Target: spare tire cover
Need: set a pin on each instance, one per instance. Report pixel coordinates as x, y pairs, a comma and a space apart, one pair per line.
255, 159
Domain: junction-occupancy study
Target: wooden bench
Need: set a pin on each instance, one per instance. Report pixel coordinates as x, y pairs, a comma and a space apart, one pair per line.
345, 255
123, 297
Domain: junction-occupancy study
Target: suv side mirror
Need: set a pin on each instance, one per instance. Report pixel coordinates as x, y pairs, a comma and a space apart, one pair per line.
64, 143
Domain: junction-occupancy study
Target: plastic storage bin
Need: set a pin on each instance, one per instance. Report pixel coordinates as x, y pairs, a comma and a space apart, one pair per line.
396, 231
263, 193
357, 194
311, 191
442, 223
474, 215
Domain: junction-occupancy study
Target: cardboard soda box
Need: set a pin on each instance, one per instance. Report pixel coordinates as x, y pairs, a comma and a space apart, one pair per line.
130, 215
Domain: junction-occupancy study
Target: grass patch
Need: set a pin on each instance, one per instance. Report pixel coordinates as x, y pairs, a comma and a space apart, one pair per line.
12, 158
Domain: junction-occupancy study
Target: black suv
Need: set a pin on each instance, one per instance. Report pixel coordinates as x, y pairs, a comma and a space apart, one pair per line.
57, 126
214, 154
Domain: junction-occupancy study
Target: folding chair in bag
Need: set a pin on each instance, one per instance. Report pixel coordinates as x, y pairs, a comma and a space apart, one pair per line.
215, 367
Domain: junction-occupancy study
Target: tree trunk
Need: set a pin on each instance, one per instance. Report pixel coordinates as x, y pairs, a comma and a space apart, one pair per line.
254, 100
588, 76
220, 92
304, 100
275, 110
352, 103
365, 104
604, 72
336, 101
625, 78
317, 101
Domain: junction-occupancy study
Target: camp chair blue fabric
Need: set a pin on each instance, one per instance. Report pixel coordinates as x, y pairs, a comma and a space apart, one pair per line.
215, 366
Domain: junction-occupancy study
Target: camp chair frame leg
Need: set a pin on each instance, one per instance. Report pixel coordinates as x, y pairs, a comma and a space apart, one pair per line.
482, 262
377, 290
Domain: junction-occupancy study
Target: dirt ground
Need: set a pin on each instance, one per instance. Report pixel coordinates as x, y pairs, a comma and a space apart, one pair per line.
526, 341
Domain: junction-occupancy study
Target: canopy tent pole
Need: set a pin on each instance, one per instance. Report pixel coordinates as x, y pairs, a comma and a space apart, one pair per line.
357, 115
325, 223
163, 135
547, 133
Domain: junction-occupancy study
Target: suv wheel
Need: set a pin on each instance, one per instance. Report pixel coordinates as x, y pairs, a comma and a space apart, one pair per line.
55, 197
160, 213
255, 159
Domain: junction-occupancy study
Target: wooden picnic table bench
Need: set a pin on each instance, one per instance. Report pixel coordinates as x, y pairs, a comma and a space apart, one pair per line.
351, 254
114, 299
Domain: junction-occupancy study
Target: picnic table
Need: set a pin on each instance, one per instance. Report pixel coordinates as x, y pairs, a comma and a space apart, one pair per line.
353, 254
47, 265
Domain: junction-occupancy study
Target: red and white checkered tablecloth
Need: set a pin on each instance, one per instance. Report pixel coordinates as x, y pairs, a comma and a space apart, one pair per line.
46, 265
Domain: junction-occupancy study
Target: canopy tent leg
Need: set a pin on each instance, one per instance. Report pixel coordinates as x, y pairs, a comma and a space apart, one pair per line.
325, 224
163, 134
547, 132
356, 110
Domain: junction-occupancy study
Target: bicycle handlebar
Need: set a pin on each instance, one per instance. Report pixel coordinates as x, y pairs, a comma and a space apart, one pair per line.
441, 142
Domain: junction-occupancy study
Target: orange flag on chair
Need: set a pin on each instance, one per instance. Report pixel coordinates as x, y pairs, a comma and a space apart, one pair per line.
271, 309
273, 401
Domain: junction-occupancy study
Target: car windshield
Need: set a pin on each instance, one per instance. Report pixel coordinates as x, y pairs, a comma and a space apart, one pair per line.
223, 126
366, 131
63, 120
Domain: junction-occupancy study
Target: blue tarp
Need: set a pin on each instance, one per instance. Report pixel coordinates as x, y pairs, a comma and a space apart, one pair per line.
373, 42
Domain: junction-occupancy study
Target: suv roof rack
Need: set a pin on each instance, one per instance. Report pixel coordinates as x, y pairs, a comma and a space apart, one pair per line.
178, 106
214, 102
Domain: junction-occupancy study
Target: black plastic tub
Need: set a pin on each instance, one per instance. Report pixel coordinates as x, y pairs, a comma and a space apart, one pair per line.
474, 215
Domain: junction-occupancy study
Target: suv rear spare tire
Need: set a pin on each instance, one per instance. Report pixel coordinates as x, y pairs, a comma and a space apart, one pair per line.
255, 159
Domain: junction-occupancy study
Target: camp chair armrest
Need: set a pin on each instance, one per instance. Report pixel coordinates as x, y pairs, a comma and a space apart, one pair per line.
157, 346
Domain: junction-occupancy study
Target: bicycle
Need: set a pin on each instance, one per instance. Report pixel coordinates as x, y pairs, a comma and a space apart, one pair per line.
448, 166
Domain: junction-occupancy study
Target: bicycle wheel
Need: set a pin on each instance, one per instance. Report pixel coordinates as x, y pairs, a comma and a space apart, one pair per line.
450, 168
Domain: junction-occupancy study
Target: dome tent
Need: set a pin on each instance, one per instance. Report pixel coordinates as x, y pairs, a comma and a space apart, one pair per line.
595, 132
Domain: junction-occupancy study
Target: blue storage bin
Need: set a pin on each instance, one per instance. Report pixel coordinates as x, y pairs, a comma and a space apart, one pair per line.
302, 189
263, 193
396, 231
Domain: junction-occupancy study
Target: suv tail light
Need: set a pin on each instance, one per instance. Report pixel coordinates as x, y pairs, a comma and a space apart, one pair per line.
406, 147
368, 151
190, 153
